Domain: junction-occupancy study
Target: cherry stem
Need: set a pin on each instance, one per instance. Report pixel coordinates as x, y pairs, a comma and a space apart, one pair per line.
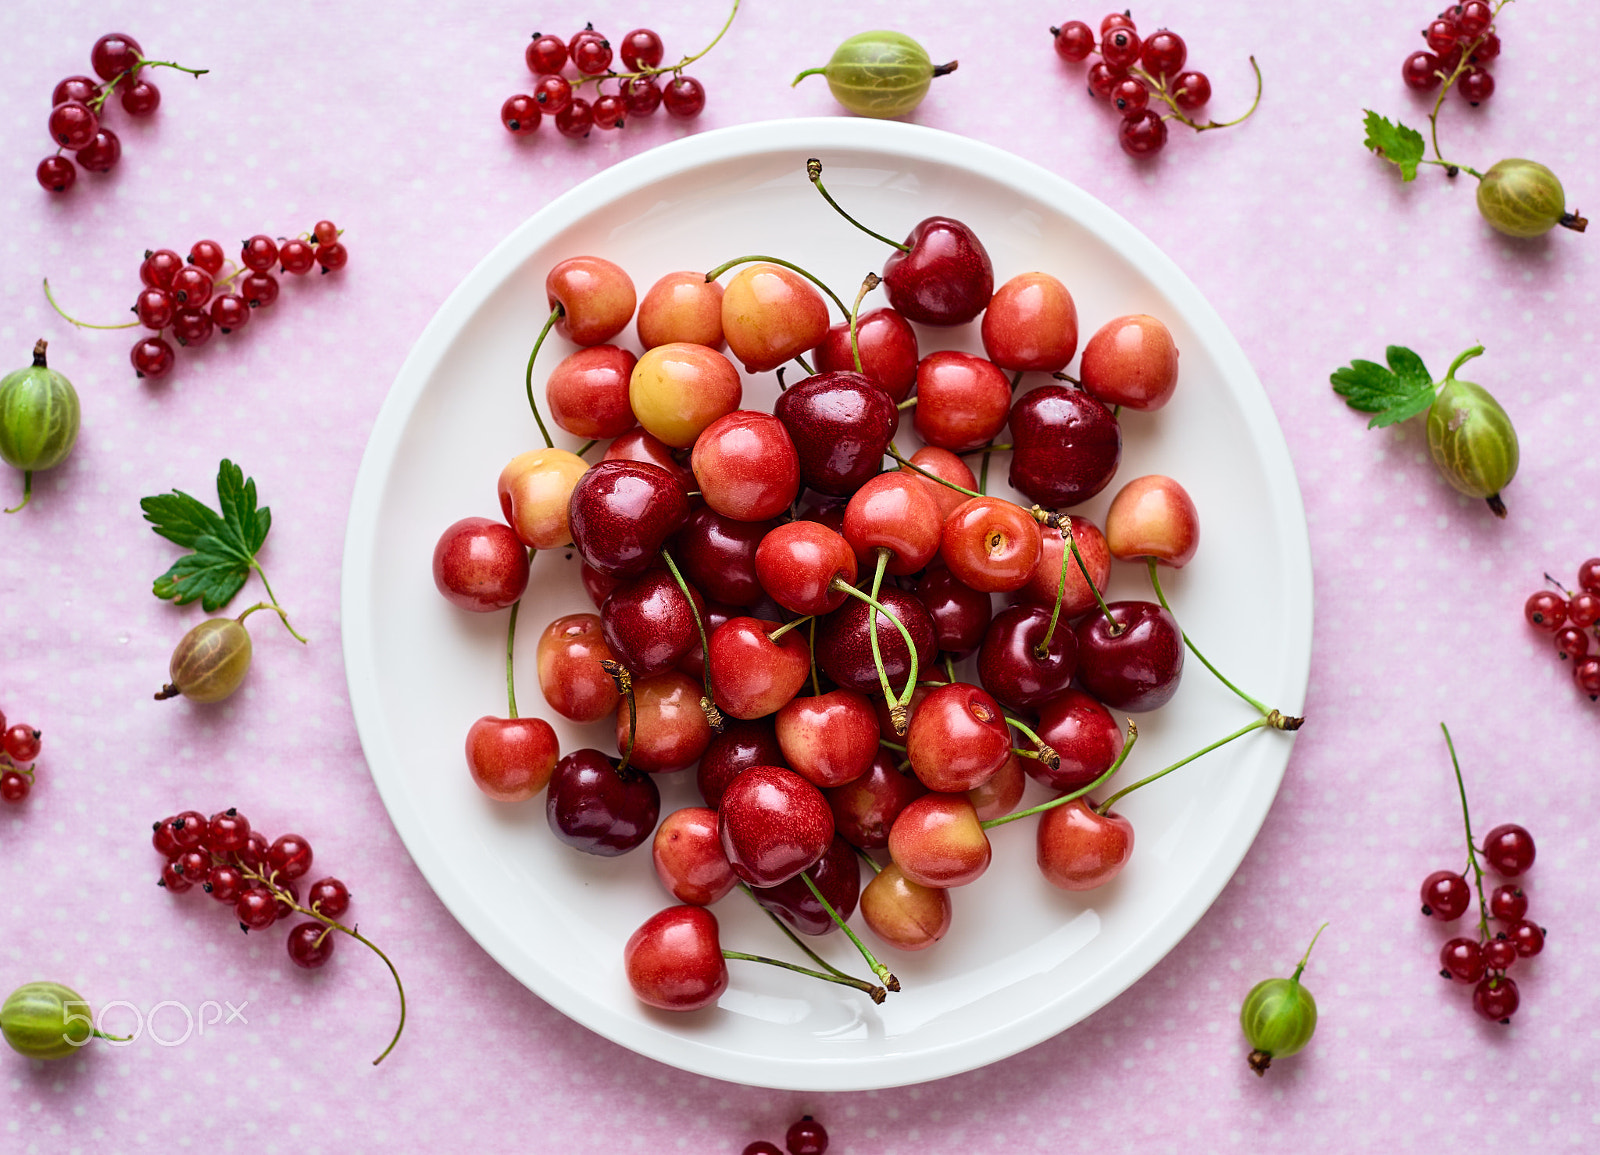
27, 491
884, 975
794, 938
665, 68
801, 361
266, 585
586, 446
909, 464
1044, 752
872, 282
549, 322
1042, 650
511, 638
1284, 722
276, 608
787, 626
623, 677
1466, 821
70, 319
1127, 746
1105, 807
834, 297
868, 859
707, 701
875, 993
814, 171
1064, 524
897, 706
1305, 958
816, 684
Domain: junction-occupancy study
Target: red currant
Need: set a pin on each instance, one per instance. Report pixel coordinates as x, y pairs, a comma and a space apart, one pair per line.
82, 88
1445, 895
642, 95
761, 1147
1589, 576
546, 54
1462, 960
1572, 642
225, 883
1583, 609
209, 256
1103, 78
576, 119
1499, 954
520, 114
1473, 18
684, 96
1164, 54
113, 54
254, 855
230, 312
806, 1137
102, 153
1421, 71
328, 896
227, 832
290, 857
1116, 20
194, 865
1476, 87
154, 308
189, 830
286, 907
1508, 849
311, 944
609, 112
256, 909
258, 289
1546, 610
1507, 903
553, 94
325, 232
1120, 47
191, 285
161, 837
56, 174
1074, 41
14, 787
192, 326
1142, 134
1450, 61
332, 256
296, 257
1527, 938
1191, 90
140, 98
172, 878
591, 55
259, 253
22, 743
1440, 35
1587, 675
1496, 998
73, 124
1130, 95
641, 49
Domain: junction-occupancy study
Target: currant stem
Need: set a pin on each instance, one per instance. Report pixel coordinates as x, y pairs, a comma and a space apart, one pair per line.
883, 973
909, 464
875, 993
872, 282
1462, 65
1472, 854
1159, 88
549, 323
814, 171
71, 320
1105, 807
1127, 746
834, 297
707, 701
27, 491
665, 68
1305, 958
1155, 583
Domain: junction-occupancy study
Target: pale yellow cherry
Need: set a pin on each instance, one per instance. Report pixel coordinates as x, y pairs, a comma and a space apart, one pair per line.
678, 389
770, 314
535, 489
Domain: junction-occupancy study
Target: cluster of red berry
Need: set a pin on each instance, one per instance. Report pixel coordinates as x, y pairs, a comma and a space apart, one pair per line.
638, 92
78, 104
1131, 71
1571, 619
184, 297
1509, 851
1461, 39
18, 744
805, 1137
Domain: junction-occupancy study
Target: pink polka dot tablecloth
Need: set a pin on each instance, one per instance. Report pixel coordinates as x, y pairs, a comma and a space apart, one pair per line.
384, 118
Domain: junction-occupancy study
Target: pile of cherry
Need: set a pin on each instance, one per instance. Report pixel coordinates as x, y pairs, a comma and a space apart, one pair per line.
18, 744
1460, 29
722, 594
1570, 619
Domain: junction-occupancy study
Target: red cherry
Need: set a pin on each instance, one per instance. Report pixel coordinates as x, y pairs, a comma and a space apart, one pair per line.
682, 307
593, 808
1153, 517
688, 857
511, 759
751, 675
960, 613
773, 824
1138, 668
1080, 849
622, 512
571, 649
1131, 361
1031, 324
864, 810
1067, 446
672, 728
888, 347
905, 914
958, 738
674, 961
596, 298
830, 739
937, 841
944, 277
894, 511
837, 875
1083, 734
746, 466
991, 544
480, 565
840, 424
740, 746
962, 400
799, 561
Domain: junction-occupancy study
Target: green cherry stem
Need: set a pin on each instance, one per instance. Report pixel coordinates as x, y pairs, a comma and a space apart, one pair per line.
884, 975
834, 297
549, 323
787, 626
875, 993
1064, 524
814, 171
794, 938
801, 361
897, 705
1105, 807
708, 702
511, 639
872, 282
909, 464
1472, 854
624, 680
816, 683
1127, 746
586, 446
1043, 751
1042, 650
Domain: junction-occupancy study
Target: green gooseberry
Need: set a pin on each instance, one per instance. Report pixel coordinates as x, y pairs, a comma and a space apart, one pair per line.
47, 1021
879, 74
1522, 198
38, 419
1279, 1016
1471, 438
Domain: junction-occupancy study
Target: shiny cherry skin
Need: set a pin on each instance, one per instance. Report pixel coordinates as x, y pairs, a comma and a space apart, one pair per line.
587, 393
960, 613
1001, 793
844, 648
1083, 734
957, 739
888, 347
1153, 516
718, 555
943, 276
798, 563
637, 444
1066, 446
1009, 665
1508, 850
674, 961
991, 544
943, 464
828, 739
688, 857
771, 314
1445, 895
1138, 669
678, 389
962, 400
596, 297
570, 651
773, 824
837, 874
1080, 849
751, 675
1031, 324
622, 512
1078, 598
905, 914
864, 810
937, 841
1132, 362
747, 466
479, 565
649, 624
511, 759
682, 306
841, 424
740, 746
894, 511
536, 494
672, 730
593, 808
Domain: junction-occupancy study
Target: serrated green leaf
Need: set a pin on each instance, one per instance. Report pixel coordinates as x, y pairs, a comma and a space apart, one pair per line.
210, 577
179, 518
1365, 385
1396, 143
1418, 402
224, 546
1401, 390
1408, 367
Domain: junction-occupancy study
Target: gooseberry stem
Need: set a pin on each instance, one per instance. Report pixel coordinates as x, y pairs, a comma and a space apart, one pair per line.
834, 297
814, 171
872, 282
276, 608
27, 491
1472, 854
1127, 747
1462, 359
1305, 958
1105, 807
708, 702
884, 975
549, 323
266, 585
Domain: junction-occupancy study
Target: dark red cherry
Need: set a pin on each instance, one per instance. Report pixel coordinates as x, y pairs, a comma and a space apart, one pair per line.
718, 555
888, 347
1137, 669
840, 424
837, 875
960, 613
740, 746
592, 807
622, 512
773, 824
1066, 446
844, 648
1083, 734
865, 810
1009, 665
649, 624
945, 279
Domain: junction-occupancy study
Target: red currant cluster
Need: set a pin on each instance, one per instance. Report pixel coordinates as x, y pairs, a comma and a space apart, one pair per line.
805, 1137
78, 105
18, 744
1508, 850
1461, 40
185, 298
260, 880
638, 91
1571, 619
1132, 70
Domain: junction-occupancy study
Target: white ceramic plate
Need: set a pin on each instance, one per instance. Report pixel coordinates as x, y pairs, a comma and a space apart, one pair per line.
1023, 961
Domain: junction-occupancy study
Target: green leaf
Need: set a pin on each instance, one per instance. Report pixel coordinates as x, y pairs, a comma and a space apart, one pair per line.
224, 545
1402, 390
1396, 143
